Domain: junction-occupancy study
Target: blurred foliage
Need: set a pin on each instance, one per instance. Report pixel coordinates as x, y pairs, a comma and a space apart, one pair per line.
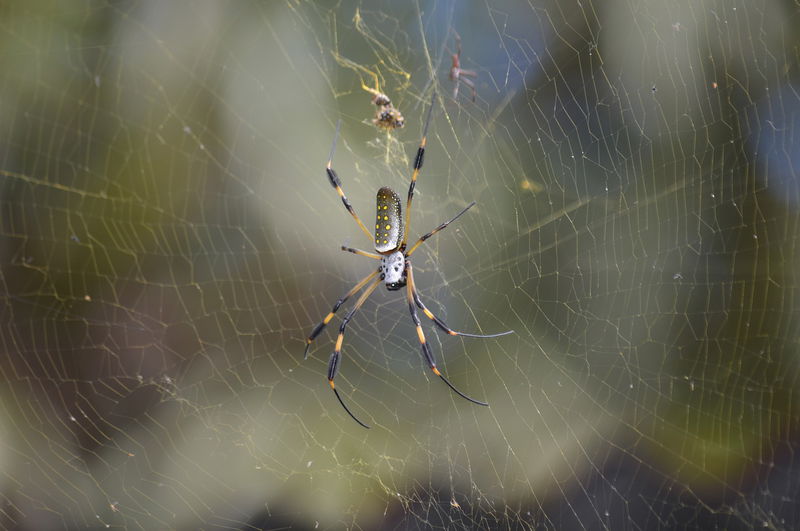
168, 239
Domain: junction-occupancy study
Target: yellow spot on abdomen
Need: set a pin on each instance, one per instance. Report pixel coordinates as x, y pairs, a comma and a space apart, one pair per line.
388, 227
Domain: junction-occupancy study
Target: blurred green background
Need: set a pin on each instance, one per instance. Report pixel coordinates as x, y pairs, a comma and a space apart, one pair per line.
168, 239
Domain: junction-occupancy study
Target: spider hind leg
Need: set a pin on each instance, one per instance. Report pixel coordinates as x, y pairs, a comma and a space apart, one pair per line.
345, 406
441, 324
426, 349
333, 364
322, 324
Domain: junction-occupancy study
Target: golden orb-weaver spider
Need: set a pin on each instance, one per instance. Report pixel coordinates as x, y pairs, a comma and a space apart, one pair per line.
395, 266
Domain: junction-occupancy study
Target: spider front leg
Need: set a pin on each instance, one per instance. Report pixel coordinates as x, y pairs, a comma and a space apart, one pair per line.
438, 321
426, 349
337, 184
437, 229
359, 252
418, 160
317, 329
333, 364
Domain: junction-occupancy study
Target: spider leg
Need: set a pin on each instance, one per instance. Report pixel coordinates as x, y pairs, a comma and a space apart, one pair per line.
438, 321
426, 349
337, 184
333, 364
437, 229
317, 329
359, 252
417, 167
468, 73
468, 83
455, 78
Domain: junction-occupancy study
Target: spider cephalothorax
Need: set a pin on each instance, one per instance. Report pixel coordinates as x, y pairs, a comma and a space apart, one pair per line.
391, 235
393, 271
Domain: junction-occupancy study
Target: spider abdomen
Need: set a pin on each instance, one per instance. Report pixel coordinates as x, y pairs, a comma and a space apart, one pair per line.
393, 270
388, 221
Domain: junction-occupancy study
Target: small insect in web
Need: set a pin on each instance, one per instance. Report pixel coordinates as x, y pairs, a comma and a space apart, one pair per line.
386, 117
394, 269
459, 75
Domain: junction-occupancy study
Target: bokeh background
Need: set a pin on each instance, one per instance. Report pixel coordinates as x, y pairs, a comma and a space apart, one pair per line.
168, 239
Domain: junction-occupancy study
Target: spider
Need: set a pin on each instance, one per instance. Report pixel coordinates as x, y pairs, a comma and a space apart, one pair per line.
394, 268
458, 74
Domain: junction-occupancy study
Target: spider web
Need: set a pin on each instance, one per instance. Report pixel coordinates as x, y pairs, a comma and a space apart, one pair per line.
169, 239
